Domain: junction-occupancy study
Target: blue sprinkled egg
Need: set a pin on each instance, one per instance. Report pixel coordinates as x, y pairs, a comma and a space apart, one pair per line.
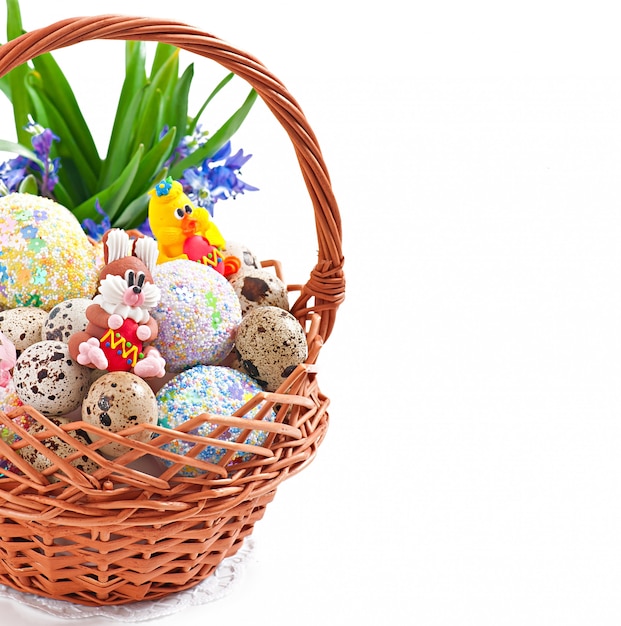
211, 389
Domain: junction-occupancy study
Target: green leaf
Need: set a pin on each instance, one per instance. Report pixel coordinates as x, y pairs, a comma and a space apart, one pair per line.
62, 197
147, 131
120, 143
127, 109
67, 148
17, 77
17, 148
163, 53
112, 197
135, 213
217, 140
135, 61
14, 26
165, 79
151, 164
5, 86
59, 91
178, 104
227, 79
29, 185
150, 171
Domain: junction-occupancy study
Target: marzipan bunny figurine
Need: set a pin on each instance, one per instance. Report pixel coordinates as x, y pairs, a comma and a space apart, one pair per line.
120, 325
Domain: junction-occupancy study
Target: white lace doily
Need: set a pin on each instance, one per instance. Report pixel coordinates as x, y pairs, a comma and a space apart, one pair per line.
212, 588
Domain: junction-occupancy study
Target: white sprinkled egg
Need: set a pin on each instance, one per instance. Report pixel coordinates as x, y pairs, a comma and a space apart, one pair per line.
197, 315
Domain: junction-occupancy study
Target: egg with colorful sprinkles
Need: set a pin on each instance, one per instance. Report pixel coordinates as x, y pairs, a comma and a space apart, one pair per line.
197, 315
9, 435
45, 256
208, 389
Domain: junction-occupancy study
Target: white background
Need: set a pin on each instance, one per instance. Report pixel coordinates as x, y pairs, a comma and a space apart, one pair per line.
471, 471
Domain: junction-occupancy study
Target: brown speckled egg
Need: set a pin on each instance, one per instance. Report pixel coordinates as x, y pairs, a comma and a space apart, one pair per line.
259, 287
66, 318
22, 325
116, 401
246, 256
48, 379
41, 461
271, 344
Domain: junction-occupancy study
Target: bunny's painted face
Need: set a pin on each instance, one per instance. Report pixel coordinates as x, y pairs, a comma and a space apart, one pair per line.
130, 296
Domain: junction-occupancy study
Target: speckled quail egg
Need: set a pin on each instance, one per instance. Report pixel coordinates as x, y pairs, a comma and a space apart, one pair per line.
41, 461
22, 325
116, 401
66, 318
246, 256
259, 287
271, 343
48, 379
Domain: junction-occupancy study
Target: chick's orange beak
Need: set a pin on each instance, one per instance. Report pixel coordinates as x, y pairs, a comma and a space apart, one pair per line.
188, 225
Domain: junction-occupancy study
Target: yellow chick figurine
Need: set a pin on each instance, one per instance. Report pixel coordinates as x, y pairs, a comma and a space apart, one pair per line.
185, 231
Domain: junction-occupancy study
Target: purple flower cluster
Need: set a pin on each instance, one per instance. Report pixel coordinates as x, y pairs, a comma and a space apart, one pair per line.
216, 178
92, 228
14, 171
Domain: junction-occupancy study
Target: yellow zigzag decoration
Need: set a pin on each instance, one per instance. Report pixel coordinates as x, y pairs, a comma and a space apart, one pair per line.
217, 258
128, 350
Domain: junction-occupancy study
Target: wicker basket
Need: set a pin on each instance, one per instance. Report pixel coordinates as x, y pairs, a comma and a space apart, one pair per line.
122, 534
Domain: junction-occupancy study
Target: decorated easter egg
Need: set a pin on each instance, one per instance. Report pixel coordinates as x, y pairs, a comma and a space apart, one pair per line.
10, 434
271, 344
116, 401
48, 379
9, 399
247, 258
59, 446
197, 315
45, 256
259, 287
208, 389
65, 318
22, 325
198, 249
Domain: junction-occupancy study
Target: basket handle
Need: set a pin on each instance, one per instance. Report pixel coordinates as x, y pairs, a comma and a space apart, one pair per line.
325, 289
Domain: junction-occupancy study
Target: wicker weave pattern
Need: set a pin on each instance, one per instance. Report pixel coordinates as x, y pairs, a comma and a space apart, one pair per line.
122, 533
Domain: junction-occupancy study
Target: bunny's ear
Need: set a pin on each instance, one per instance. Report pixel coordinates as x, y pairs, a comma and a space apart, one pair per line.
116, 245
145, 248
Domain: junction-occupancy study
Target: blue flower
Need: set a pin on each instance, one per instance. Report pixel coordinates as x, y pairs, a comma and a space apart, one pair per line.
13, 172
92, 228
29, 232
164, 186
217, 178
